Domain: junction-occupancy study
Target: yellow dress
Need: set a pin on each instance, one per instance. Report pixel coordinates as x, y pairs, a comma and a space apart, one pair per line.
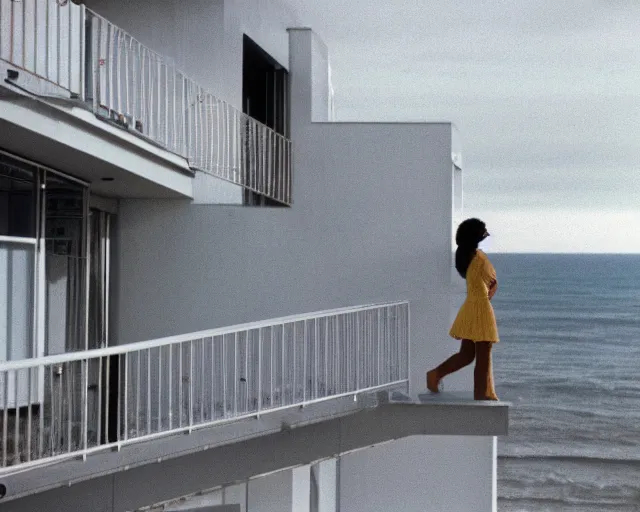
475, 320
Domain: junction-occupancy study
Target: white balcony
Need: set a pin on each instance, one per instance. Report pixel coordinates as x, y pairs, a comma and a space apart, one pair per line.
70, 60
318, 376
79, 403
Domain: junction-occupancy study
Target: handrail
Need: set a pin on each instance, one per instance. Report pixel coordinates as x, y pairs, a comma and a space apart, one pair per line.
180, 338
91, 400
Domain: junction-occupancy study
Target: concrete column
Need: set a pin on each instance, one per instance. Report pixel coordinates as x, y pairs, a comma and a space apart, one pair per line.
300, 77
311, 93
236, 494
280, 492
300, 489
325, 473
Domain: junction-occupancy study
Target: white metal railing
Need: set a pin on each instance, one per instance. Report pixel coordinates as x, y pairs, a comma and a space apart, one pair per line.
232, 145
82, 52
134, 85
45, 38
96, 399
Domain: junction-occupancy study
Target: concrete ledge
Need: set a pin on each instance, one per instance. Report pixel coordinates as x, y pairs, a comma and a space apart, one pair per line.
158, 470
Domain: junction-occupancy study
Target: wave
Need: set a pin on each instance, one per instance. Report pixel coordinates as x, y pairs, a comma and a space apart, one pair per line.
560, 501
585, 480
612, 504
574, 382
581, 459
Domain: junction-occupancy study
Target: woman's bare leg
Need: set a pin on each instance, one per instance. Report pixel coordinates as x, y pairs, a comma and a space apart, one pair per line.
462, 358
483, 387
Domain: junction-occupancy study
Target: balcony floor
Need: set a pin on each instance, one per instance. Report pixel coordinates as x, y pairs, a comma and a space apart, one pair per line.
238, 450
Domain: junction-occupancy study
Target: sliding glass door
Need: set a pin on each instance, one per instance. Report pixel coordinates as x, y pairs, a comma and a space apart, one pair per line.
66, 275
44, 272
19, 198
54, 298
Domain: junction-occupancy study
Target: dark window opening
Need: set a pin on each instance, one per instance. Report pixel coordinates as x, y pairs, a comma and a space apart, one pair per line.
17, 200
264, 98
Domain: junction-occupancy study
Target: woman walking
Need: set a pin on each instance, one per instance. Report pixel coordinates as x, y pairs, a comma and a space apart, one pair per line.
475, 326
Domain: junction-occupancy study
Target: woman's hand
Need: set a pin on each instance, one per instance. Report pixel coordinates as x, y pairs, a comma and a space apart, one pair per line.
493, 287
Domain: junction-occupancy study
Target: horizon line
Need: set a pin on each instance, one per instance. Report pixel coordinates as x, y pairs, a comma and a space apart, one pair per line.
562, 253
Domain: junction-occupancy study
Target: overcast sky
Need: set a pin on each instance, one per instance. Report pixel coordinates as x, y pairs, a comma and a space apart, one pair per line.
545, 93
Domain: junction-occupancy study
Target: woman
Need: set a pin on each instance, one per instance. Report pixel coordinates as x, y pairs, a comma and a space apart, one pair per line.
475, 326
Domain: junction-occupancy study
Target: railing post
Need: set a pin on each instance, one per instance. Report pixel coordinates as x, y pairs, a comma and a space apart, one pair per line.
259, 404
294, 362
184, 108
5, 417
235, 374
125, 427
357, 350
271, 357
337, 354
326, 356
96, 71
408, 342
316, 340
304, 362
83, 52
85, 406
224, 376
148, 379
190, 385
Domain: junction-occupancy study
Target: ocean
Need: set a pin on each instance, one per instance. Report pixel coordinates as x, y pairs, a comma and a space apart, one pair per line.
569, 361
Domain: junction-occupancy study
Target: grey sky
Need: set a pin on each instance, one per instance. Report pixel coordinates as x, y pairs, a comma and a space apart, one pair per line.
546, 95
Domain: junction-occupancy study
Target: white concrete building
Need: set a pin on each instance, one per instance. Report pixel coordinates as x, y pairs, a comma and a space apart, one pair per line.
212, 296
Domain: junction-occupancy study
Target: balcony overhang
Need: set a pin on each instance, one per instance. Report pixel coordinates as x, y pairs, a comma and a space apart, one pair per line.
145, 472
64, 136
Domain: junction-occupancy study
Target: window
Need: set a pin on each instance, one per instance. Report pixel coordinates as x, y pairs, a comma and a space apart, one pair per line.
17, 200
265, 98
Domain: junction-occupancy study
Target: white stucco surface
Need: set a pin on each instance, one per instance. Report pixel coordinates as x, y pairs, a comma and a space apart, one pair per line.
372, 221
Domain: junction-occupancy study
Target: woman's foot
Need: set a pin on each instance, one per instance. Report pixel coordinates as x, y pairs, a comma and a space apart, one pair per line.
490, 398
433, 381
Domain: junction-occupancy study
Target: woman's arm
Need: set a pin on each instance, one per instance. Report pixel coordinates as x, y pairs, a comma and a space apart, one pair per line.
493, 287
490, 275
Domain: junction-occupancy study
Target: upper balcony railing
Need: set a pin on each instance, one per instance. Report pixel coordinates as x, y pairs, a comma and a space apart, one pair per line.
82, 402
123, 80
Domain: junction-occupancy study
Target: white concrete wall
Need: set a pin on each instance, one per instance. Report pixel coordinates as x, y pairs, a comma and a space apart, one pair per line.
436, 474
271, 493
440, 474
321, 99
346, 241
372, 221
326, 474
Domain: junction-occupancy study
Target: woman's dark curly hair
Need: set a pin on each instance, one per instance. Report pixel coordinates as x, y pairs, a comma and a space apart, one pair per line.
470, 233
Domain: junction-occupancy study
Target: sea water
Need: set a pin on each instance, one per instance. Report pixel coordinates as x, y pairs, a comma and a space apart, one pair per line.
569, 361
